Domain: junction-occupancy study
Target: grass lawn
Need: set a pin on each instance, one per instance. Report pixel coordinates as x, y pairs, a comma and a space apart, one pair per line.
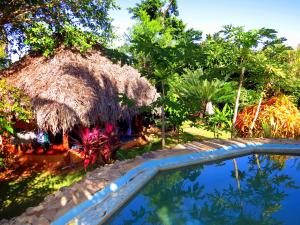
16, 196
188, 134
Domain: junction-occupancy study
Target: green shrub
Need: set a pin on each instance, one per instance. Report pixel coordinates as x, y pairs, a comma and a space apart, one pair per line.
14, 105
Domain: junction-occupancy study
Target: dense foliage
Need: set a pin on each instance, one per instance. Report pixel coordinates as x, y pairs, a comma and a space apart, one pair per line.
14, 105
161, 45
43, 25
233, 67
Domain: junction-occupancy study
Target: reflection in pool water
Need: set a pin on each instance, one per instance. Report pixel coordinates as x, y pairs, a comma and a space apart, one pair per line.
254, 189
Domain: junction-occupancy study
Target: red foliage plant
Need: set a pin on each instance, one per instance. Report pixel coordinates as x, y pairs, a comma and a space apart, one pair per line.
278, 117
97, 145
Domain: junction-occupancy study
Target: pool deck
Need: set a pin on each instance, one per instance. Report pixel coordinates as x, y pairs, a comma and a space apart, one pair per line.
81, 195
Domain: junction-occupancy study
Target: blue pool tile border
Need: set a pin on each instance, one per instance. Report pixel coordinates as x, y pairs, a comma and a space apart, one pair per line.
97, 210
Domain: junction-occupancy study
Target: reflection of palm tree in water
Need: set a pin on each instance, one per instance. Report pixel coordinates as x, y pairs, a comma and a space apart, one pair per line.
237, 177
259, 193
179, 196
297, 163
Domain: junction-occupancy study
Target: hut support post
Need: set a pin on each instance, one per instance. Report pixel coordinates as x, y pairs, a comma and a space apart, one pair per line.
65, 140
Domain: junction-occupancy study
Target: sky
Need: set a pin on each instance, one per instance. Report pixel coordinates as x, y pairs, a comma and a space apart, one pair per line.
210, 15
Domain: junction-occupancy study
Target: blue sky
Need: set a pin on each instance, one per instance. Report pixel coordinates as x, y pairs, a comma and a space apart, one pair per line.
210, 15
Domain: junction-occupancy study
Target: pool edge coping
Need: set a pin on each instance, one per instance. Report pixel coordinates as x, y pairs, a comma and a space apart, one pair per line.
105, 202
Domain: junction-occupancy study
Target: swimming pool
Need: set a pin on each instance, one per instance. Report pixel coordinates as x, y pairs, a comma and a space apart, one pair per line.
105, 203
253, 189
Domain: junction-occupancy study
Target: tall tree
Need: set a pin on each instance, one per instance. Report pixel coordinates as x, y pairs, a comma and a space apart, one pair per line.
233, 50
45, 24
159, 43
271, 69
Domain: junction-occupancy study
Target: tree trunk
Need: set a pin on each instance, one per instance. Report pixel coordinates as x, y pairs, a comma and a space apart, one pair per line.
236, 171
237, 101
256, 113
163, 122
167, 9
257, 162
65, 140
237, 178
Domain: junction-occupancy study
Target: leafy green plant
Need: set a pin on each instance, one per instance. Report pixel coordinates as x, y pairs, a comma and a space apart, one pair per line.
125, 101
267, 130
196, 91
221, 120
176, 113
14, 105
39, 37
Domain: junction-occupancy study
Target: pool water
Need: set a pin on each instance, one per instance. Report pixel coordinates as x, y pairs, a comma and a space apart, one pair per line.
253, 189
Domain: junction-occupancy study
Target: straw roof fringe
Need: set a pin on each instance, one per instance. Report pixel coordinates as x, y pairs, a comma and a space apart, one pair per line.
70, 88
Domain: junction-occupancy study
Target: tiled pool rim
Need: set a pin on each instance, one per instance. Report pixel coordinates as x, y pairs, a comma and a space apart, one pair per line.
104, 203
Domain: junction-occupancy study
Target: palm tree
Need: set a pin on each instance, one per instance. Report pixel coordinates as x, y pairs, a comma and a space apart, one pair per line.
193, 88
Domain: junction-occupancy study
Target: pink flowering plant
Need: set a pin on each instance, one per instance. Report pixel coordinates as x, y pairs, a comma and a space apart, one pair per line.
97, 146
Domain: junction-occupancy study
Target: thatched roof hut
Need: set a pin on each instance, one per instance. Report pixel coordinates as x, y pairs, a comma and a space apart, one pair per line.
74, 89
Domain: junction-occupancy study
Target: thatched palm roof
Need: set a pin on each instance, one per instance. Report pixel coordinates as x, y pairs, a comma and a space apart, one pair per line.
70, 88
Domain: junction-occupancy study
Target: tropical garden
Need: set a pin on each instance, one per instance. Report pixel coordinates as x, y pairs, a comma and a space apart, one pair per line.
235, 83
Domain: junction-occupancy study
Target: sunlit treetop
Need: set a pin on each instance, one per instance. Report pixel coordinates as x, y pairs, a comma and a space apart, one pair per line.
155, 8
165, 10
